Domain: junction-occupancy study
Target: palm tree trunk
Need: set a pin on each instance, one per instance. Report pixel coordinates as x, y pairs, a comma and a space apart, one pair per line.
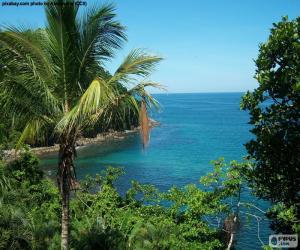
65, 221
65, 178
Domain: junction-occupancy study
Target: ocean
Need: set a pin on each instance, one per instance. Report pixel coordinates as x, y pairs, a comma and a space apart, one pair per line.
194, 129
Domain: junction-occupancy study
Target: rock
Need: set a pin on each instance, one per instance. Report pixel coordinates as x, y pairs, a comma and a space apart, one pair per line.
102, 137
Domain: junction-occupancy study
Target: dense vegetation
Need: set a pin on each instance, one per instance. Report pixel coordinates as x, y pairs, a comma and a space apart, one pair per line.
274, 109
143, 219
62, 91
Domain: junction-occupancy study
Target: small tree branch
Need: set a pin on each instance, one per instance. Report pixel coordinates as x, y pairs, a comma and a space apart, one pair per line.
258, 219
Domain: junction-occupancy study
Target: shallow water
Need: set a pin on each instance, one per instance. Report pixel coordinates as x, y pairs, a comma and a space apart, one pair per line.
195, 129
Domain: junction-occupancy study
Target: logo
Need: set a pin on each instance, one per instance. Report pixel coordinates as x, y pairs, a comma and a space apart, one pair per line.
283, 240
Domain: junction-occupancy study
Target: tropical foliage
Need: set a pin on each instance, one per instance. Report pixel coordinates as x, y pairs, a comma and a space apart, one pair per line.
54, 88
61, 87
274, 109
143, 218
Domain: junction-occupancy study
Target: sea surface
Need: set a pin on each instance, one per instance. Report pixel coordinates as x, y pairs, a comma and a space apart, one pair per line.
195, 129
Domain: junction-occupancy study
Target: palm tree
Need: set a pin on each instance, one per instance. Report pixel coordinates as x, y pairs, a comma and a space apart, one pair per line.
52, 80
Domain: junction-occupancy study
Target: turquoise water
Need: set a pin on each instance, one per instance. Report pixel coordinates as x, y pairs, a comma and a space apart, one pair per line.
195, 128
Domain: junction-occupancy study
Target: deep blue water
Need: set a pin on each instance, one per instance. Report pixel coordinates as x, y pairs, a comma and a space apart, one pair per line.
195, 129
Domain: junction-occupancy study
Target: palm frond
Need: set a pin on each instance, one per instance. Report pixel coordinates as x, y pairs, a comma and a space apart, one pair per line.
137, 64
27, 44
34, 131
139, 90
135, 101
120, 111
88, 108
63, 43
100, 35
32, 64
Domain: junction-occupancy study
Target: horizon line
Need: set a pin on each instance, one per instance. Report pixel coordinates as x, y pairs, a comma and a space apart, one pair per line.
203, 92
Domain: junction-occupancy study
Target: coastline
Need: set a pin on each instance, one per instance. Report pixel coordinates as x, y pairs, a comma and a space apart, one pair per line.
83, 141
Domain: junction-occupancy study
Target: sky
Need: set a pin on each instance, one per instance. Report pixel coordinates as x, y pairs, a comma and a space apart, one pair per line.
207, 45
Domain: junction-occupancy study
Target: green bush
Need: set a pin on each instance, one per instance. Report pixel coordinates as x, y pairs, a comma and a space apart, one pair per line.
102, 219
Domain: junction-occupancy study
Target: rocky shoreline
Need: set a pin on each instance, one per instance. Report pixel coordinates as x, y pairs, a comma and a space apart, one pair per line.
100, 138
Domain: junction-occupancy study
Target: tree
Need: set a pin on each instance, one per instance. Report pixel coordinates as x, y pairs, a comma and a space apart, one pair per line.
104, 219
52, 81
274, 109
